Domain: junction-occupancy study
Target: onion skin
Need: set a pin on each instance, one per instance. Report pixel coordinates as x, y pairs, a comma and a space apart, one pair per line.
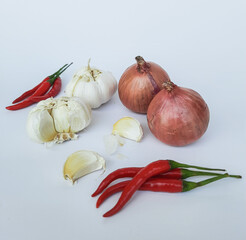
178, 116
140, 83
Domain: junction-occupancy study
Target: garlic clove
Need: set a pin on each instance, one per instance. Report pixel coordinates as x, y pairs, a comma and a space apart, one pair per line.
81, 163
128, 127
71, 115
40, 126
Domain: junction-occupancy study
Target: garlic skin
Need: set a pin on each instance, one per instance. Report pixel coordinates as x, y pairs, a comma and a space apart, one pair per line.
82, 162
57, 119
93, 86
112, 142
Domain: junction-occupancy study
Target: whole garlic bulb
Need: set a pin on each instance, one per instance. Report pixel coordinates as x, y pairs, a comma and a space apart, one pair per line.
58, 119
93, 86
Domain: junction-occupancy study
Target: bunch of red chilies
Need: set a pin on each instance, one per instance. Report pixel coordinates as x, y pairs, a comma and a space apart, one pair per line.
158, 176
49, 87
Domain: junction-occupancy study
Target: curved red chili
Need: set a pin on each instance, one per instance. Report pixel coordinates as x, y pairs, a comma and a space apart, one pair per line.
31, 91
154, 184
131, 172
52, 93
41, 90
160, 185
119, 173
152, 169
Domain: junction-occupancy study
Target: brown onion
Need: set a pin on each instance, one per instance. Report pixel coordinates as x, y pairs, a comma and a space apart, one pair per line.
140, 83
177, 116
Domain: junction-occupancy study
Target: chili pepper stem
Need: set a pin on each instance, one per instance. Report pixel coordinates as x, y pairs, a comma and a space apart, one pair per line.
187, 186
175, 164
186, 173
235, 176
58, 71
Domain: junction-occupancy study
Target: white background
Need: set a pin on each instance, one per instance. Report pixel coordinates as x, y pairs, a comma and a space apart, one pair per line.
201, 44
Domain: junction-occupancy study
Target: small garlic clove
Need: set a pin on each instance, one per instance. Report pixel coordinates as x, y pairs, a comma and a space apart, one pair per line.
81, 163
128, 127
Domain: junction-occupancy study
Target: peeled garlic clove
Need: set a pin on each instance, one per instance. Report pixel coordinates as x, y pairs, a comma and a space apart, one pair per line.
81, 163
128, 127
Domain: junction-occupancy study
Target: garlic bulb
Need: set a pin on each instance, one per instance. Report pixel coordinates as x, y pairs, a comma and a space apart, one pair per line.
58, 119
93, 86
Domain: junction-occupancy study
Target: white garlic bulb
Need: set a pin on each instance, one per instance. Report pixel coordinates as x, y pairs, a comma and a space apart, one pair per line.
58, 119
93, 86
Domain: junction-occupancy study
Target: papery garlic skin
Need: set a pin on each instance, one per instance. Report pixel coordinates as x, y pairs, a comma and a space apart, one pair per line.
93, 86
58, 119
112, 142
81, 163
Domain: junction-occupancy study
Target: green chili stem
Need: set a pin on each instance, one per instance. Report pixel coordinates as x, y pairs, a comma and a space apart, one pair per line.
235, 176
175, 164
186, 173
187, 186
210, 180
58, 73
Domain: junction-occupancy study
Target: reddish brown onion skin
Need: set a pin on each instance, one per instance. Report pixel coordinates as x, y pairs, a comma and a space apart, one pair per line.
178, 117
135, 88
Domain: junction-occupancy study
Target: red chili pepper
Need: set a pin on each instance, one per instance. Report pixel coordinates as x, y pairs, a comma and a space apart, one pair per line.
41, 90
31, 91
119, 173
170, 184
160, 185
52, 93
152, 169
177, 173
